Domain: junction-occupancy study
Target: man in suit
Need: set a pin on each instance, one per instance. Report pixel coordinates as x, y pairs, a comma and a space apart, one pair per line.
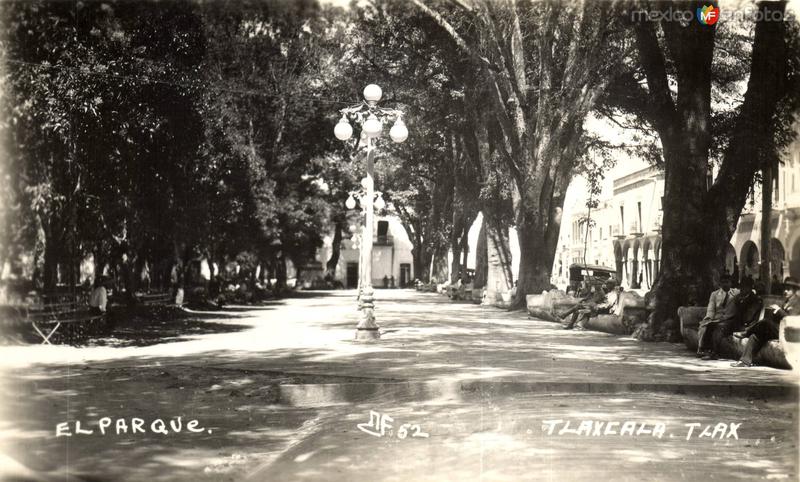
747, 307
767, 329
721, 310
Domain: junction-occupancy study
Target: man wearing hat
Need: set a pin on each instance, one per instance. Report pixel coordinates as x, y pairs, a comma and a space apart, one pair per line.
767, 329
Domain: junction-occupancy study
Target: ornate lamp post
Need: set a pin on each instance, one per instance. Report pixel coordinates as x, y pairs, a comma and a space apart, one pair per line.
370, 117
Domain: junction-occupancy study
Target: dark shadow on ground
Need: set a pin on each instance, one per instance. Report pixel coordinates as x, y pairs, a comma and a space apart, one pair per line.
152, 332
267, 305
305, 294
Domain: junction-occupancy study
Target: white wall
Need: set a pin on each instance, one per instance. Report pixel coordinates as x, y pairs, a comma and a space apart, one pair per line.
386, 260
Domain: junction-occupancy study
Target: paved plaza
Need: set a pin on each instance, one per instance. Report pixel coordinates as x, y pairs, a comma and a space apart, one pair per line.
452, 391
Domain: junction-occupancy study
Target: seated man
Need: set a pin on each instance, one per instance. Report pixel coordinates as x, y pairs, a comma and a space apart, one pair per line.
747, 307
766, 329
721, 310
583, 292
590, 302
604, 308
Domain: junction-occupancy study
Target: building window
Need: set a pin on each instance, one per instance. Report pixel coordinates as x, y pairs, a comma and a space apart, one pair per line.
383, 228
639, 207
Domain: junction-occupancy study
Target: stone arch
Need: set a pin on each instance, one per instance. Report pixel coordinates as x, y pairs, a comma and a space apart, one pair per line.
777, 256
636, 273
656, 257
627, 258
647, 262
618, 262
794, 259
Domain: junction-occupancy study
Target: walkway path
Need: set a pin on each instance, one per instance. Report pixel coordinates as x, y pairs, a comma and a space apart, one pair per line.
281, 395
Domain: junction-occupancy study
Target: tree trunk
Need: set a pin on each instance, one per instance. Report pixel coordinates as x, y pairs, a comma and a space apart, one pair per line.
280, 274
464, 252
481, 258
698, 222
500, 275
456, 245
541, 128
50, 271
422, 262
765, 272
439, 265
336, 249
537, 248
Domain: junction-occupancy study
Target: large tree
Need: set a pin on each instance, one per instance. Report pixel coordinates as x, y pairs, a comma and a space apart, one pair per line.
544, 66
700, 218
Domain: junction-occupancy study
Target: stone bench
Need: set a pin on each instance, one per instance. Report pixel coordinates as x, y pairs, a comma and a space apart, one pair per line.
790, 339
773, 354
551, 306
477, 295
542, 306
458, 293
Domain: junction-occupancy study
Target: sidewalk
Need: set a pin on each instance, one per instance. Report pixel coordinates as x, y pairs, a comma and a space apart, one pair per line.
425, 337
288, 386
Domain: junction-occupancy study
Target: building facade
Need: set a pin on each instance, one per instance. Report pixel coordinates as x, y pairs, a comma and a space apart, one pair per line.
625, 230
392, 260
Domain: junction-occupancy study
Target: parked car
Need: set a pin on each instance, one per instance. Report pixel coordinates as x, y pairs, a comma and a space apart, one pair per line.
593, 274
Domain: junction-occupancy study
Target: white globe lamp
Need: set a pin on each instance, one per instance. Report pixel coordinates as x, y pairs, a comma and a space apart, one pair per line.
373, 126
343, 129
372, 94
399, 132
379, 202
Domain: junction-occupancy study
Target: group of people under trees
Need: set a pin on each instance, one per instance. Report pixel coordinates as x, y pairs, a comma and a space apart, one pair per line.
594, 300
731, 312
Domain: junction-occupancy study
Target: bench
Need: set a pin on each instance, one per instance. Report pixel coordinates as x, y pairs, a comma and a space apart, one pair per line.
477, 295
59, 313
790, 339
543, 305
426, 287
773, 354
463, 292
630, 311
155, 298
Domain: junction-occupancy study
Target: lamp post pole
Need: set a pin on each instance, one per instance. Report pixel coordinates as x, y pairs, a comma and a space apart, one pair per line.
367, 329
370, 117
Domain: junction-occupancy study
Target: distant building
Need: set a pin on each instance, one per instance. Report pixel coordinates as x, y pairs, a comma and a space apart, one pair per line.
785, 225
391, 255
626, 228
625, 231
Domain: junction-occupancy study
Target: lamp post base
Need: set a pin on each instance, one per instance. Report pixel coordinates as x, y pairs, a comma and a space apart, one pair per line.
367, 334
367, 329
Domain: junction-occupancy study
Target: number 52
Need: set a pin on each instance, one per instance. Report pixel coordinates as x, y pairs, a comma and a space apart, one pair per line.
402, 432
